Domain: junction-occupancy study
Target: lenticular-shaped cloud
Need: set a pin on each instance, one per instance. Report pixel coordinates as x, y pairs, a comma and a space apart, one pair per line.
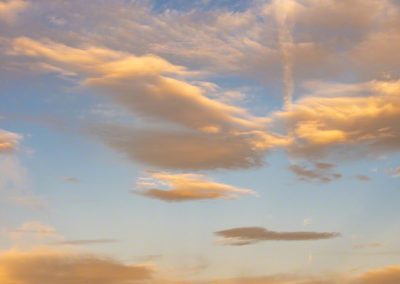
250, 235
185, 187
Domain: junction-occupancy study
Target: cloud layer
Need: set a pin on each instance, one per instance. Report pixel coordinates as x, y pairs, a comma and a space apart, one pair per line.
10, 9
49, 267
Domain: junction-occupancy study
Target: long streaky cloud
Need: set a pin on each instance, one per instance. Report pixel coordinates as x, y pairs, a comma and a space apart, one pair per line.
250, 235
85, 242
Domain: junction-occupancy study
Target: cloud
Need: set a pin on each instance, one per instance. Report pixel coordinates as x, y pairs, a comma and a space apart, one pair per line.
220, 135
12, 174
328, 35
186, 187
8, 141
84, 242
251, 235
142, 84
367, 245
395, 172
163, 93
49, 267
187, 150
283, 12
321, 172
363, 178
14, 185
32, 234
11, 8
70, 179
339, 118
307, 221
36, 228
278, 279
386, 275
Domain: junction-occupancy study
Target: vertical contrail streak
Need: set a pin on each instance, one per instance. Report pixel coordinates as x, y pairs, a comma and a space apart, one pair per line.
283, 9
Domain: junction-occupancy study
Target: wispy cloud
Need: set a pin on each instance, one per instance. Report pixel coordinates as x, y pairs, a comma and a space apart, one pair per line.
8, 141
283, 12
367, 245
321, 172
10, 9
363, 177
71, 179
84, 242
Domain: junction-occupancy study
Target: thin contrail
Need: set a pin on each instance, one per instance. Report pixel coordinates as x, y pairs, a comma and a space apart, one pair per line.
282, 12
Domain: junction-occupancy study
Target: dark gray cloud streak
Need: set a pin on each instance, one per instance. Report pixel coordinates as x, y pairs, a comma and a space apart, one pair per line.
249, 235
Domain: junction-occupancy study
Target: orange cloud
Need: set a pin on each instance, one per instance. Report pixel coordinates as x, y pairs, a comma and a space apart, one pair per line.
185, 187
11, 8
49, 267
205, 133
8, 141
386, 275
142, 84
343, 117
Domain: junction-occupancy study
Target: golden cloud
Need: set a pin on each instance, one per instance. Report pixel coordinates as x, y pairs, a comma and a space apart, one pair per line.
207, 133
386, 275
49, 267
140, 84
8, 141
361, 115
11, 8
186, 187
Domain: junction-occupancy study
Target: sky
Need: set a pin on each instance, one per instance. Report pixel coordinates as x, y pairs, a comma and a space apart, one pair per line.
199, 142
